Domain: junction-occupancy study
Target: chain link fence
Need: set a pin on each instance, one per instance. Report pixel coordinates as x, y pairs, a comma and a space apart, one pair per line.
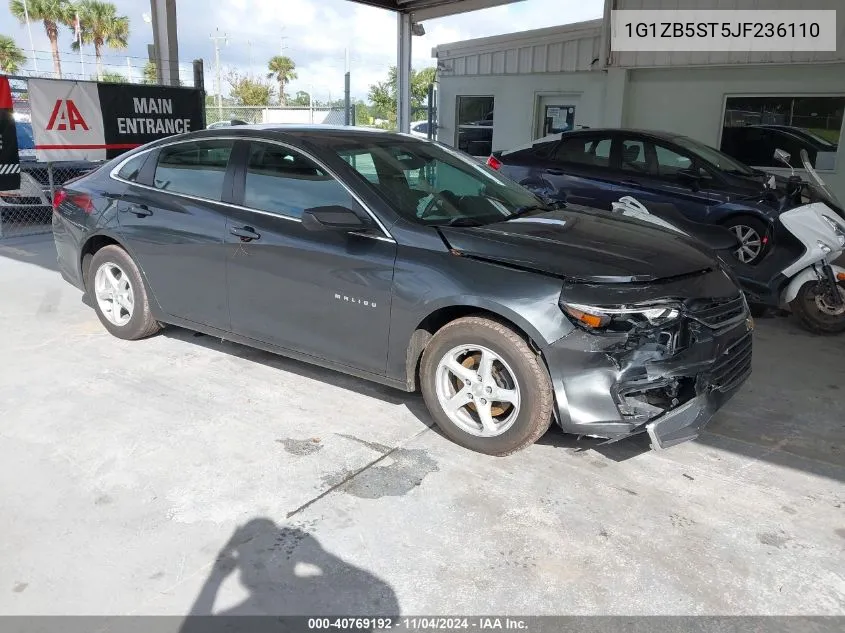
225, 114
28, 210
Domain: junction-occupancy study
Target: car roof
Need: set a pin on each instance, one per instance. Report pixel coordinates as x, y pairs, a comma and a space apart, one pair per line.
666, 136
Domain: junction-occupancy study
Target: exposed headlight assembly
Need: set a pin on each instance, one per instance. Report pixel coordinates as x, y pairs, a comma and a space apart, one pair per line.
620, 318
837, 229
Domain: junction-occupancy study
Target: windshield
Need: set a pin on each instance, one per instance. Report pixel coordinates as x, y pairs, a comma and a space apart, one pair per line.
817, 184
431, 184
713, 156
24, 134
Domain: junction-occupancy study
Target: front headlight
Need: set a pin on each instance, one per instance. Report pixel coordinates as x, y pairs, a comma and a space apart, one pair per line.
620, 318
836, 228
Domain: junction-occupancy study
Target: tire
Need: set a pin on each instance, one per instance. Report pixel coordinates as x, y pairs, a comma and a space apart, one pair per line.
812, 316
130, 325
739, 225
517, 372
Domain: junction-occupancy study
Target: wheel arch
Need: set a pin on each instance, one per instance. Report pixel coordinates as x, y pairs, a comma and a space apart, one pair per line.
437, 318
97, 241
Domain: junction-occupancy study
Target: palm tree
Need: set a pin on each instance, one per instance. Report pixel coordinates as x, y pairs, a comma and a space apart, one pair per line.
101, 26
283, 69
11, 56
52, 13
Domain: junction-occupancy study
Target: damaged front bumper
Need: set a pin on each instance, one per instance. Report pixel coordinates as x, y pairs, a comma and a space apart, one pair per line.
665, 383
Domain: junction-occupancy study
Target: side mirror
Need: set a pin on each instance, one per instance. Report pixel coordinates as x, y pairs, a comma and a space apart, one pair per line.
333, 218
689, 177
782, 157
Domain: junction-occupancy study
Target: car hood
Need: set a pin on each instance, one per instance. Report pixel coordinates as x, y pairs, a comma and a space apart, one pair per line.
593, 246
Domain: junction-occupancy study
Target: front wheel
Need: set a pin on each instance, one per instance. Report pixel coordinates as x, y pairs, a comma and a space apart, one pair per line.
485, 387
815, 308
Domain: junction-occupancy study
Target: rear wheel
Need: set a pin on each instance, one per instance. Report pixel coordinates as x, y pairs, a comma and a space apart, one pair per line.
815, 308
117, 291
485, 387
750, 232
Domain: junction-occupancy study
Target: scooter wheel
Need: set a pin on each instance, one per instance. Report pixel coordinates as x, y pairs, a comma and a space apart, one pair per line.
816, 310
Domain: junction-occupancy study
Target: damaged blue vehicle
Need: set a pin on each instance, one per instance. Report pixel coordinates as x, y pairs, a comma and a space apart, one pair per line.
404, 262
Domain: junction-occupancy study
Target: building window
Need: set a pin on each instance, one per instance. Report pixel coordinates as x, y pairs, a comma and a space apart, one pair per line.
474, 123
754, 127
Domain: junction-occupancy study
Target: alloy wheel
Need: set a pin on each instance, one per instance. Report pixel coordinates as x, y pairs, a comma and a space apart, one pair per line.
477, 390
114, 293
750, 243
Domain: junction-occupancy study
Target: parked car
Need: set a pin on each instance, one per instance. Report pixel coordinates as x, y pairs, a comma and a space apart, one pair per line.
598, 166
32, 200
226, 123
419, 129
756, 145
408, 263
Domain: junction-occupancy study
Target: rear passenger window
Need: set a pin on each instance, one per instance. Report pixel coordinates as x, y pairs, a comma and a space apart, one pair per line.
132, 168
286, 182
196, 168
582, 150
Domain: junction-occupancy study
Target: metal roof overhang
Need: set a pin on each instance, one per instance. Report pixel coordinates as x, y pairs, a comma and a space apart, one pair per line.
429, 9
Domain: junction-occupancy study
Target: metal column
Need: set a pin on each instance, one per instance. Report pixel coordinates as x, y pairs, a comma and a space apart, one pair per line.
166, 44
403, 73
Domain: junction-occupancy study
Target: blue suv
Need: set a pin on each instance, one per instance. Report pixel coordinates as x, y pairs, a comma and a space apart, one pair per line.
595, 167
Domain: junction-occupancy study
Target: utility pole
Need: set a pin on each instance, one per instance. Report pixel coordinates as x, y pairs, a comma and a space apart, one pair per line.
311, 103
29, 30
216, 39
347, 96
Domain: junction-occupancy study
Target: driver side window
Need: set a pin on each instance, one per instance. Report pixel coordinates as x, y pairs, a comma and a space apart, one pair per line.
669, 162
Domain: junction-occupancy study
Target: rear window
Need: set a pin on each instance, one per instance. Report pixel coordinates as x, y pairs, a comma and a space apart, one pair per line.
580, 150
196, 169
132, 168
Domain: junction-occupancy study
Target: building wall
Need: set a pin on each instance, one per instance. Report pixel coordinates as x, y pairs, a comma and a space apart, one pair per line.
515, 102
691, 101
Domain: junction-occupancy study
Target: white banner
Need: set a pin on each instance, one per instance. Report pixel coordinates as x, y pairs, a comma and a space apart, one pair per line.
67, 120
700, 30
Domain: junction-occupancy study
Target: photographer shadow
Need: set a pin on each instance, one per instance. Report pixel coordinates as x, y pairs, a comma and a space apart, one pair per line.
287, 573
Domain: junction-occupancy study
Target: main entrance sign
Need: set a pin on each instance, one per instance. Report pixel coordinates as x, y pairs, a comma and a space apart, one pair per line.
78, 120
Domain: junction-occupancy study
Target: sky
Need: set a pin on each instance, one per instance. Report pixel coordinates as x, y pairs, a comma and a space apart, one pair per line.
314, 33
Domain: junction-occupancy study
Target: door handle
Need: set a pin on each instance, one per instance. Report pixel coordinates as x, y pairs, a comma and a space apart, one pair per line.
246, 233
629, 183
139, 210
554, 172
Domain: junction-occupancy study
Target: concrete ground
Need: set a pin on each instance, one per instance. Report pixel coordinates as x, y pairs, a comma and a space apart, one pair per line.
127, 469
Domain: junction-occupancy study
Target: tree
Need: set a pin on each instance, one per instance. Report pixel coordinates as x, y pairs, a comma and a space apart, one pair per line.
101, 26
11, 55
150, 73
52, 13
110, 77
383, 94
248, 90
301, 99
283, 70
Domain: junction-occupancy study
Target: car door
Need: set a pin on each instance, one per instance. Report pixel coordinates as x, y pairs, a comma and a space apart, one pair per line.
323, 293
651, 171
577, 171
173, 219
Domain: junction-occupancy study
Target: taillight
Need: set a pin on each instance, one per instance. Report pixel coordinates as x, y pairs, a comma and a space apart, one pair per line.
81, 201
494, 163
59, 197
